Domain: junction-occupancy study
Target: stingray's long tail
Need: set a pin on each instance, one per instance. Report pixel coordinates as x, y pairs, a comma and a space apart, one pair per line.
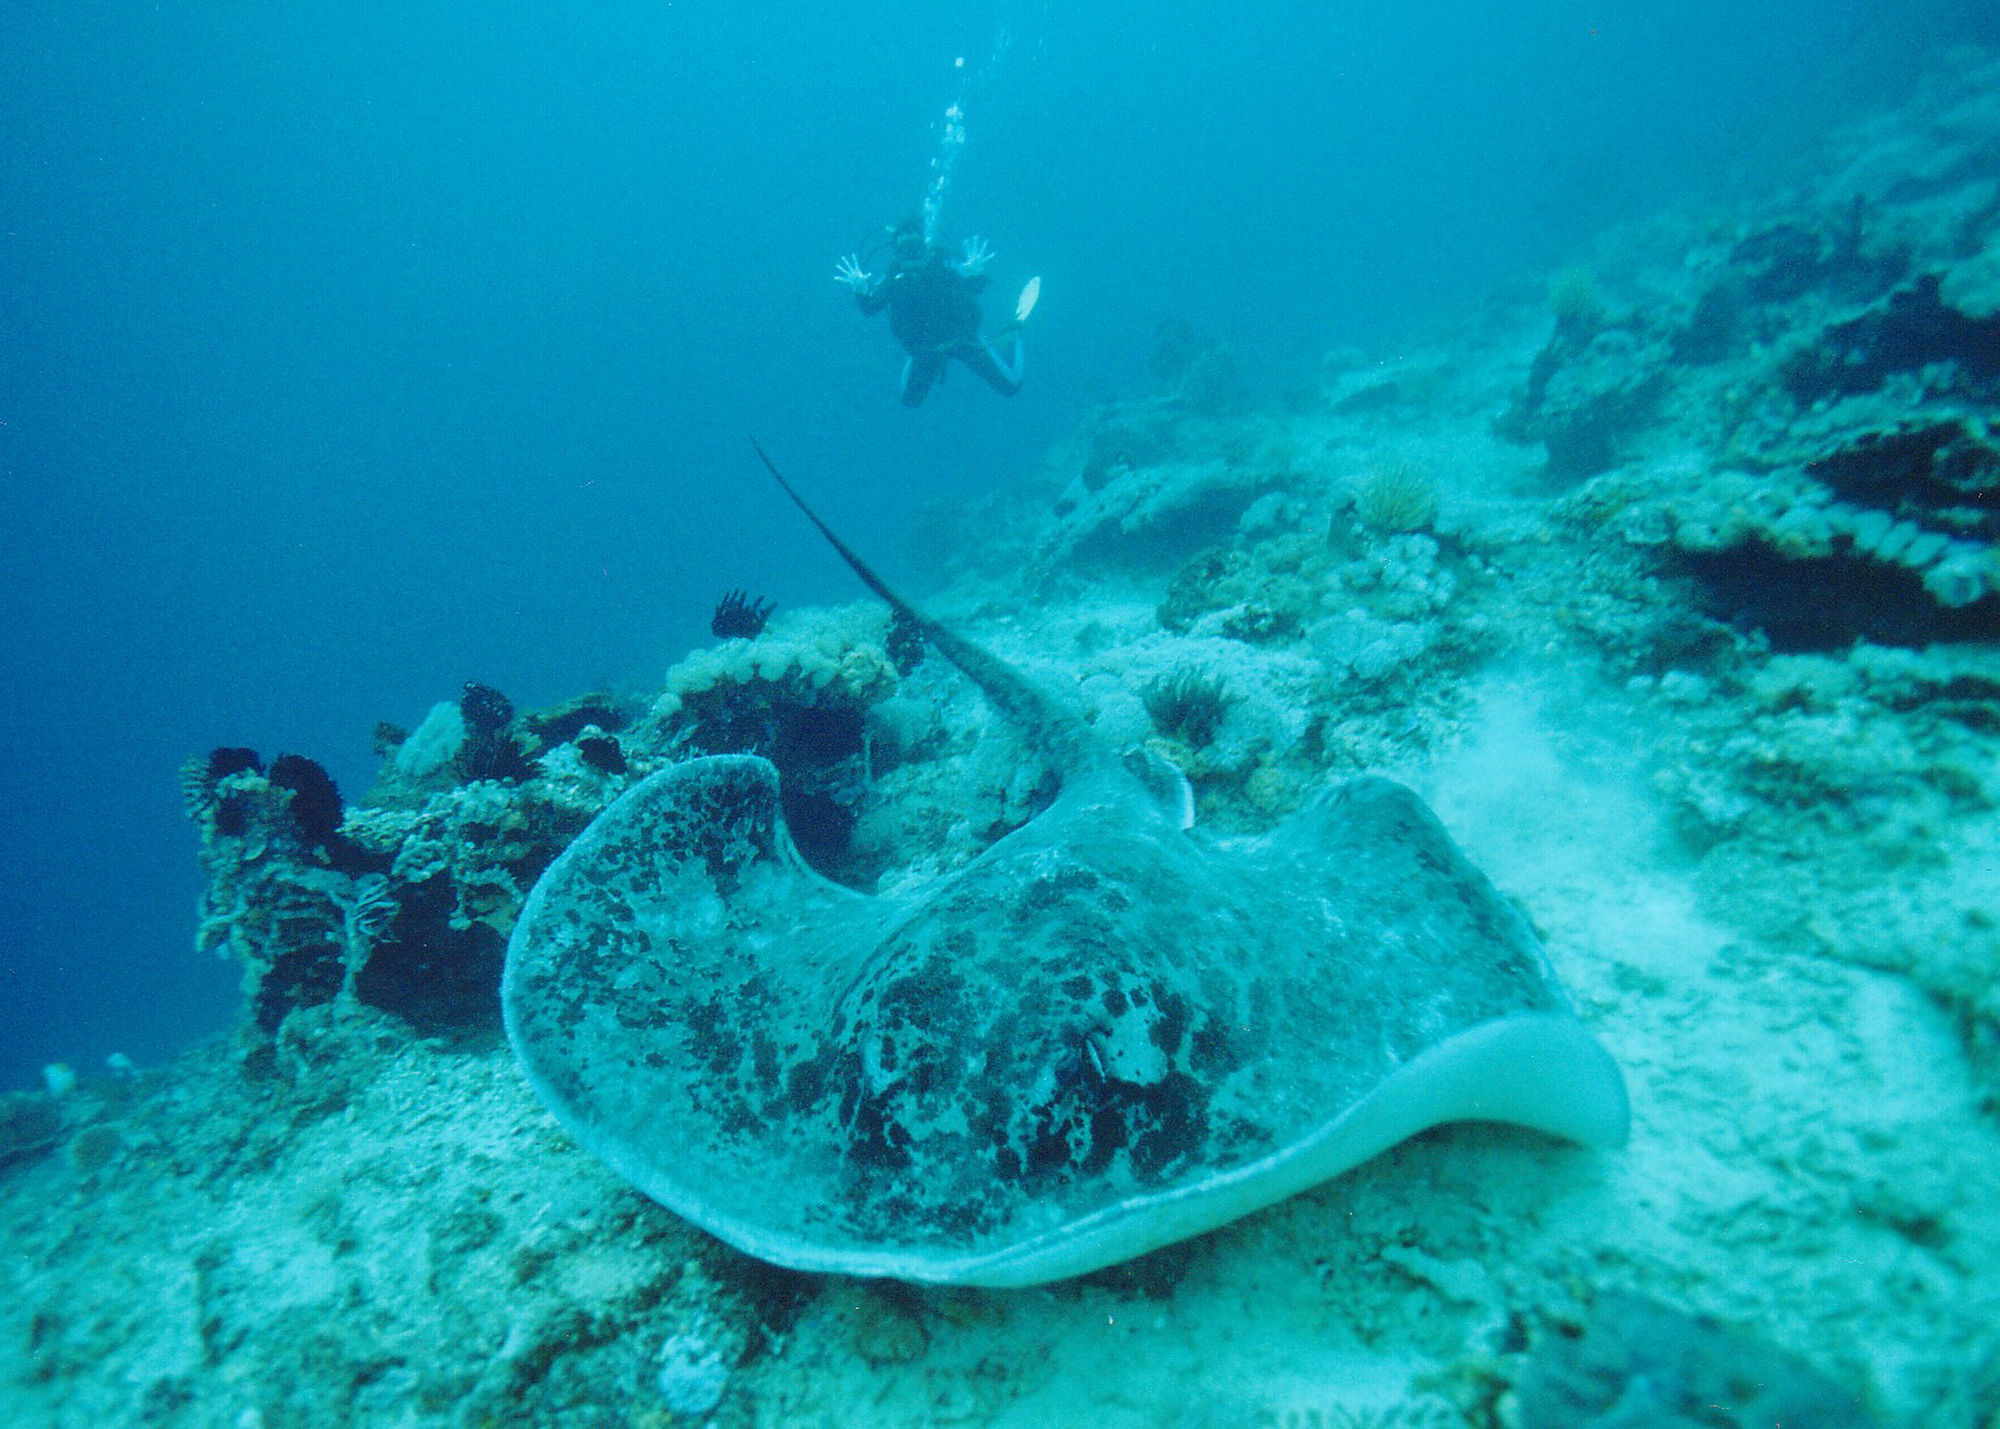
1057, 732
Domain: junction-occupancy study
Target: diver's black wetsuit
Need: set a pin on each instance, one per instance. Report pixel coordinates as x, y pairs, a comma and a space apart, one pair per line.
934, 314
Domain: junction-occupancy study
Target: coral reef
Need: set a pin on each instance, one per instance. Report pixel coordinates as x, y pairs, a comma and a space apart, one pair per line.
274, 899
1695, 650
566, 722
1589, 394
1825, 466
1744, 301
1157, 479
403, 903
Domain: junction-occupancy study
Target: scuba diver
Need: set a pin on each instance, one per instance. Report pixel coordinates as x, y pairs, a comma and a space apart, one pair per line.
934, 310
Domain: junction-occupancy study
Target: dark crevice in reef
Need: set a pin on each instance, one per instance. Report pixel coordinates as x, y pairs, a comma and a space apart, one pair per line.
1912, 330
1830, 602
1919, 467
427, 972
302, 977
819, 744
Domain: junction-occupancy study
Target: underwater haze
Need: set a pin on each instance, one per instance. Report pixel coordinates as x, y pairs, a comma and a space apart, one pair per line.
352, 352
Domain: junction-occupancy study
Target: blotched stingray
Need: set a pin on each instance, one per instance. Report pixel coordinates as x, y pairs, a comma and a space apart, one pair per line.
1102, 1035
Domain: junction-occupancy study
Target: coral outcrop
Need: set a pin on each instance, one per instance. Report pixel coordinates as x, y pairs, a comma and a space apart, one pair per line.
404, 902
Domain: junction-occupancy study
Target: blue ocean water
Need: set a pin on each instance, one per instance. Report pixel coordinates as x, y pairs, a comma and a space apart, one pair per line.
351, 352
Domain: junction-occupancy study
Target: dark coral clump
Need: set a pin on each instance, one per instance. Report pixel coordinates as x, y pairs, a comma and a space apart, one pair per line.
740, 615
230, 759
601, 752
818, 739
1587, 397
315, 806
905, 644
1772, 268
819, 824
820, 734
1946, 468
1189, 705
1827, 603
201, 787
232, 816
1787, 260
315, 802
485, 709
490, 750
434, 970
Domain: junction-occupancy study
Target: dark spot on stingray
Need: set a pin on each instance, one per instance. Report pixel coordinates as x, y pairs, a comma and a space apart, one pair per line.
1107, 1136
1174, 1130
1173, 1024
1208, 1051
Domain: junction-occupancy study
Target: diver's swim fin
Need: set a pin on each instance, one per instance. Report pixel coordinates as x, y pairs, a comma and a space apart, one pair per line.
1025, 304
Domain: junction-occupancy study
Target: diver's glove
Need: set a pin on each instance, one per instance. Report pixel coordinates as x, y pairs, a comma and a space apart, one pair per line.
977, 255
849, 273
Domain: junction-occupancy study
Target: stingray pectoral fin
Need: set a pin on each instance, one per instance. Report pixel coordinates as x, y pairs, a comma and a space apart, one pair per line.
1538, 1070
655, 909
